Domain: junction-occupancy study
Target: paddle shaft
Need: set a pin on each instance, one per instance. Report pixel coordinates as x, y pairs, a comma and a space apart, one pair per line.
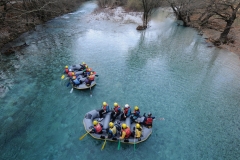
103, 145
83, 136
119, 144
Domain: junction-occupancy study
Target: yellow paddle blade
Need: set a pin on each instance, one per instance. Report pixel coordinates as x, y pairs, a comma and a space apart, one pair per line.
103, 144
80, 138
62, 77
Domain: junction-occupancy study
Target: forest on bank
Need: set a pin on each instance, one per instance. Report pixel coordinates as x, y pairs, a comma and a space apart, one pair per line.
20, 16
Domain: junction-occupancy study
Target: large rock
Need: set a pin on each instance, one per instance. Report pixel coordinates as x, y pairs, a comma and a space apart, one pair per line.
141, 27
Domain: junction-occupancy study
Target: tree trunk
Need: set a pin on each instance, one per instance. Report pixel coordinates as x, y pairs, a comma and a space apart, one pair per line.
230, 21
223, 36
205, 20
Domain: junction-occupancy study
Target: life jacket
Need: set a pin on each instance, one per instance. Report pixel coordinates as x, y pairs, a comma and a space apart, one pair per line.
114, 130
70, 74
116, 109
126, 110
91, 78
104, 107
98, 128
149, 120
135, 112
66, 70
128, 132
138, 132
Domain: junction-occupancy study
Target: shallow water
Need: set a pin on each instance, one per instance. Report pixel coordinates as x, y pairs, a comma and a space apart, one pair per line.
167, 70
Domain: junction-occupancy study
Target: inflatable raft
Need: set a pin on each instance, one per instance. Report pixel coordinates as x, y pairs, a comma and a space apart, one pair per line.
94, 115
76, 67
83, 85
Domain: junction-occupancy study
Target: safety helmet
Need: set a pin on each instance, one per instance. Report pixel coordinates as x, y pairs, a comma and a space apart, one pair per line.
95, 122
137, 125
111, 124
136, 108
115, 104
104, 103
126, 105
66, 66
124, 126
149, 114
83, 63
70, 70
86, 66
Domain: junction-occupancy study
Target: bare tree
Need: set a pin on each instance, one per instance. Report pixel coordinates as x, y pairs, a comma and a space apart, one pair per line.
183, 9
227, 11
5, 6
148, 8
207, 11
18, 16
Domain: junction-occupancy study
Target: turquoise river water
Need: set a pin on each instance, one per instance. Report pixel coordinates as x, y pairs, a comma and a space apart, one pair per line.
167, 70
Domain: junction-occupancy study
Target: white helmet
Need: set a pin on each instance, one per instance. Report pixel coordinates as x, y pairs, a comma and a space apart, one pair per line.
70, 70
126, 106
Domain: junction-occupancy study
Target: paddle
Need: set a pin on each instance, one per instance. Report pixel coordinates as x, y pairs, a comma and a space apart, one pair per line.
119, 144
69, 84
134, 144
90, 91
63, 76
71, 90
103, 145
134, 141
80, 138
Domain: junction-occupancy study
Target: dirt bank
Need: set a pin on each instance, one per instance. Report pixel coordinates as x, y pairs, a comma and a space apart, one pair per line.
214, 28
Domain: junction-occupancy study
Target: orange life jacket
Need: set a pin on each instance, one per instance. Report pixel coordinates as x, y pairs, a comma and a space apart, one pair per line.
70, 74
128, 132
91, 78
98, 128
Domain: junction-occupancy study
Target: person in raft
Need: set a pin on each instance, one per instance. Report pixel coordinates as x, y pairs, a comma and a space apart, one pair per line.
71, 73
76, 81
97, 127
83, 66
126, 132
104, 110
66, 70
112, 131
148, 120
138, 132
89, 79
126, 112
115, 112
135, 114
